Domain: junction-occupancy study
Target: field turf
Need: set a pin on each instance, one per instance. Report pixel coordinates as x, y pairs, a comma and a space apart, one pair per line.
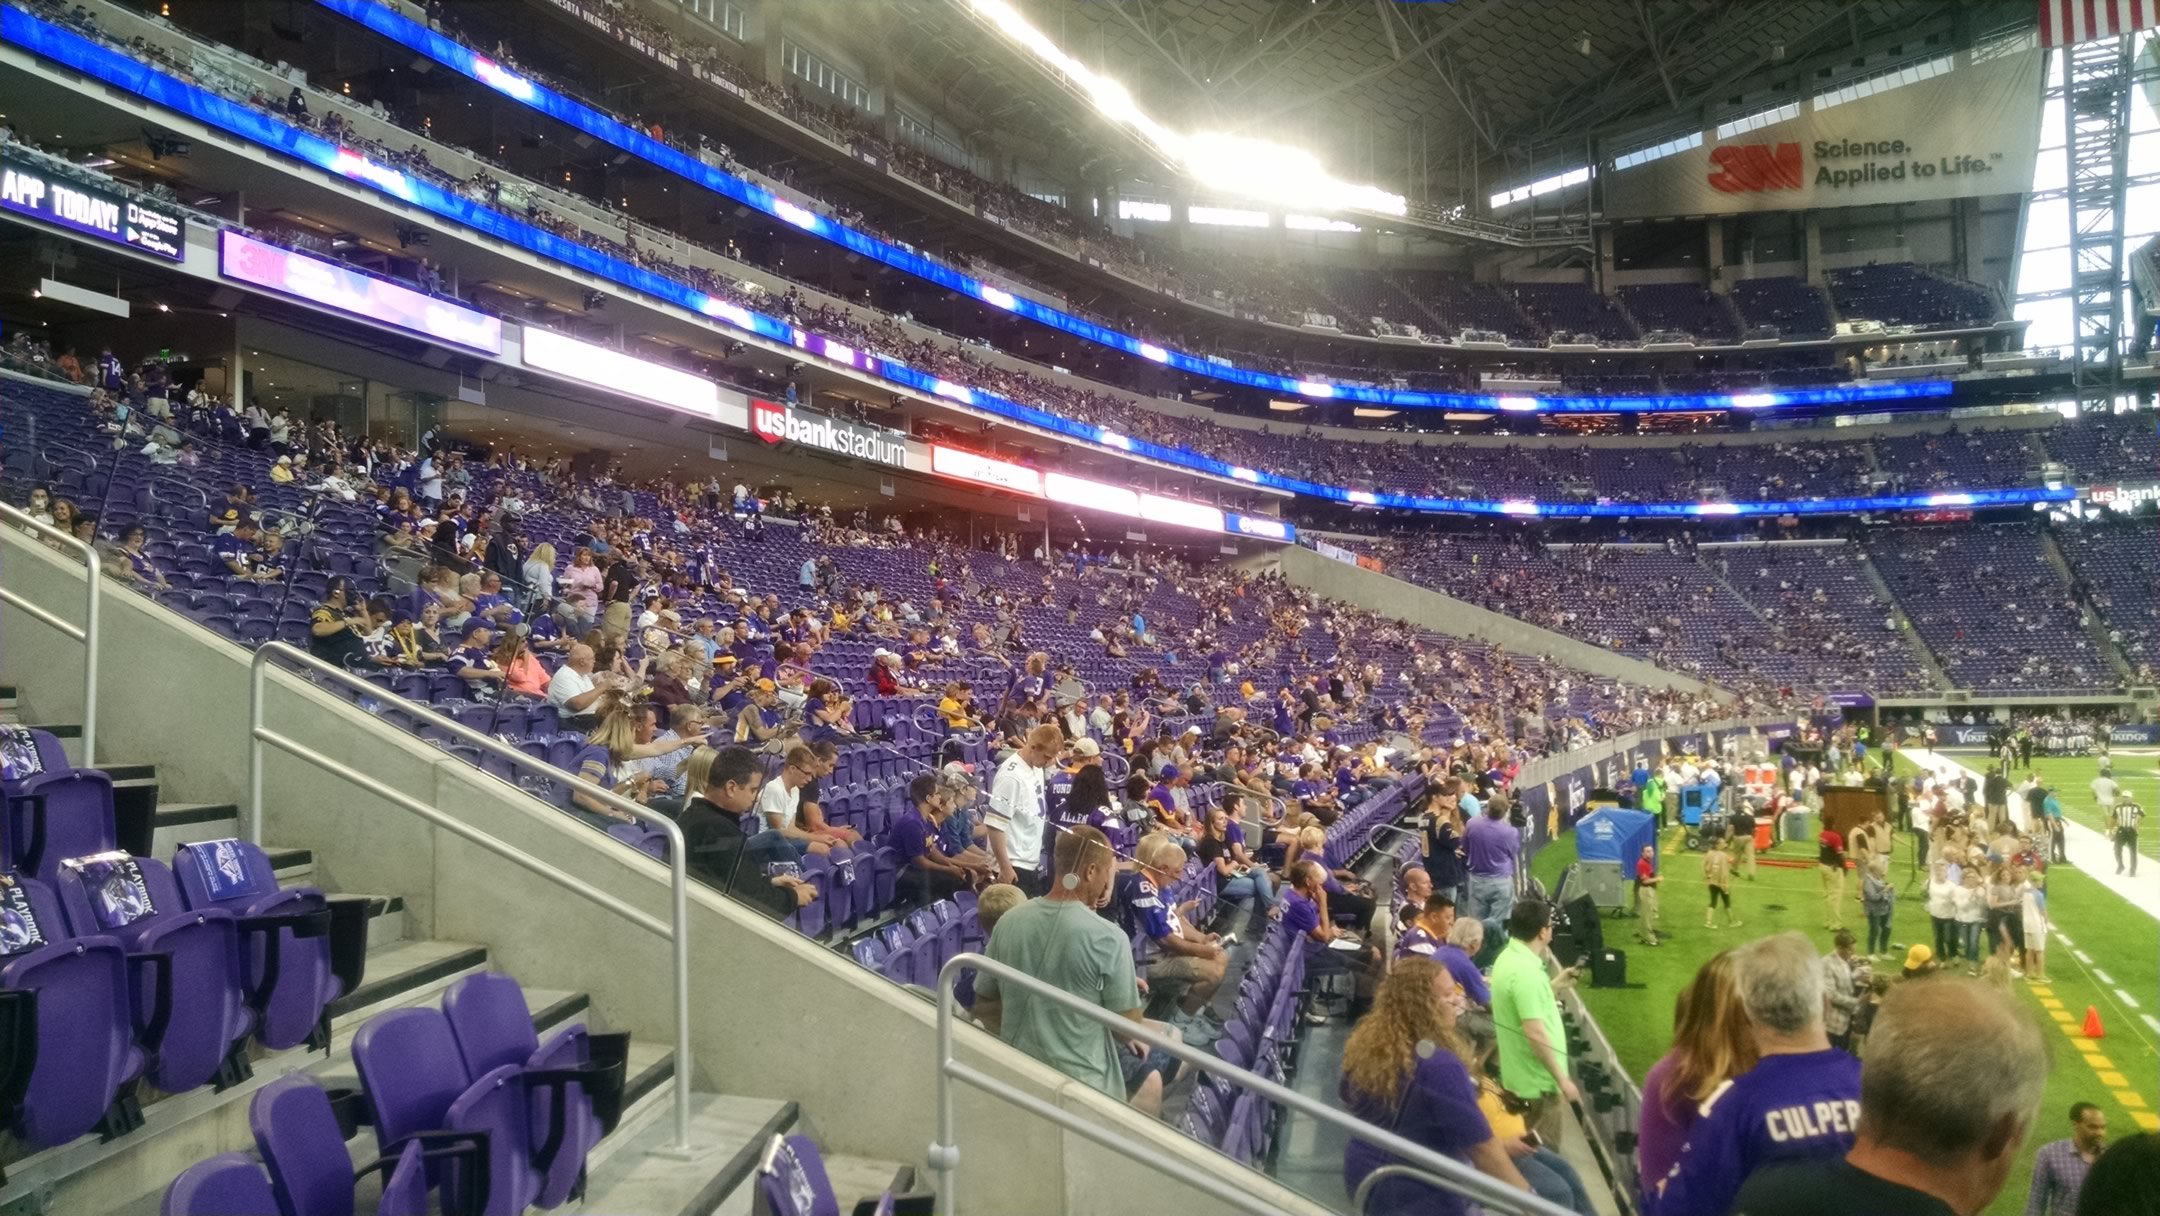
2122, 943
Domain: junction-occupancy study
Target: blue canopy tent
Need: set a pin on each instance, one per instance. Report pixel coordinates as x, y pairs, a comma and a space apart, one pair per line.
1607, 842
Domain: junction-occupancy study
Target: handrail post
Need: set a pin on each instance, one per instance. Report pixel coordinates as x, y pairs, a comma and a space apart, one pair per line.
256, 674
86, 633
944, 1157
678, 853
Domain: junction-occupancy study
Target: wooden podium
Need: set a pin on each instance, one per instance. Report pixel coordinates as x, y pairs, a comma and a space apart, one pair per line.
1845, 807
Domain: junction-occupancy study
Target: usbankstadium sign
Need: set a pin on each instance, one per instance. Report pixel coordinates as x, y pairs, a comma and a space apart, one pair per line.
1924, 133
778, 422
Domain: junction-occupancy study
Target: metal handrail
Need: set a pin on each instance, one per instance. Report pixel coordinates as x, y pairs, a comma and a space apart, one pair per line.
676, 929
944, 1156
1373, 1180
86, 633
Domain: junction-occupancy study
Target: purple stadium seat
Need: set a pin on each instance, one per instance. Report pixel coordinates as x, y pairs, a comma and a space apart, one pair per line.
929, 945
285, 938
791, 1180
86, 1054
575, 1079
648, 840
871, 953
302, 1144
56, 814
136, 902
812, 918
409, 1064
229, 1184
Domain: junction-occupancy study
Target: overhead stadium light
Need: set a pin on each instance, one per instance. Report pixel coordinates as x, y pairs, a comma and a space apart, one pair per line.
1227, 164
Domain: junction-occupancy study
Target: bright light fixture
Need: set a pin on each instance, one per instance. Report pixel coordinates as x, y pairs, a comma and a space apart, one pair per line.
1227, 164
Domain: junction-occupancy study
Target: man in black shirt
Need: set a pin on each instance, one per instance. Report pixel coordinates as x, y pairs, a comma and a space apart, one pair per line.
1930, 1141
713, 836
616, 594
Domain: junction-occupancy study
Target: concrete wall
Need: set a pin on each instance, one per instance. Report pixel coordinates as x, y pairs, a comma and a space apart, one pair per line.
1393, 597
772, 1015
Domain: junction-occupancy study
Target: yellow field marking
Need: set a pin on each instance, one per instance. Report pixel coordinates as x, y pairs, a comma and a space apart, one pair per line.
2146, 1120
2114, 1080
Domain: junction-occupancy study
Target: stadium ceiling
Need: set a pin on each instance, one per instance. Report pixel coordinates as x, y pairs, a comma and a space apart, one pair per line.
1410, 95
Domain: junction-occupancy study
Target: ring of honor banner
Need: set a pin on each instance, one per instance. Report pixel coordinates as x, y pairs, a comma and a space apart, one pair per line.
1971, 131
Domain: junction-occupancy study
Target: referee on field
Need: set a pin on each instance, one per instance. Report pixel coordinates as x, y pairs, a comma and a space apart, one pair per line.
2123, 819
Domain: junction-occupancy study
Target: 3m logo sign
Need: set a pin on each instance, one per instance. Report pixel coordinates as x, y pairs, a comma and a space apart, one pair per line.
1754, 168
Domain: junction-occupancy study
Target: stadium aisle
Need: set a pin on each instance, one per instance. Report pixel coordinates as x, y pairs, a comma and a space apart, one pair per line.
2089, 850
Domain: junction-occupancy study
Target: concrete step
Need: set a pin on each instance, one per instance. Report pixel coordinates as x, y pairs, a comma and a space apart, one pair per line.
181, 1129
641, 1175
179, 823
293, 867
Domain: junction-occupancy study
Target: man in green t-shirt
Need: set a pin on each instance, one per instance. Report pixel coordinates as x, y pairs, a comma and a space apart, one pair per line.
1533, 1043
1060, 940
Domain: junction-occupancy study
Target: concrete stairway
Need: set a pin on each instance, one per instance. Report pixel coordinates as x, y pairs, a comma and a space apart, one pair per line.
1936, 675
2095, 628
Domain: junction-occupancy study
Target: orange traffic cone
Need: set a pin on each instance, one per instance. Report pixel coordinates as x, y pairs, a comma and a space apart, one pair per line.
2092, 1023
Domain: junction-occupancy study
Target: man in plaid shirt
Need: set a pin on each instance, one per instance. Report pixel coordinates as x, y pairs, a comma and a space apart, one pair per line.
2059, 1167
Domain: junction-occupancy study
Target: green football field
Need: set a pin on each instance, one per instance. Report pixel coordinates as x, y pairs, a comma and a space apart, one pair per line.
2123, 944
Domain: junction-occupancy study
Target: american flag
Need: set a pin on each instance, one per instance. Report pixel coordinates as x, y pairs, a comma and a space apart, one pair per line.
2069, 22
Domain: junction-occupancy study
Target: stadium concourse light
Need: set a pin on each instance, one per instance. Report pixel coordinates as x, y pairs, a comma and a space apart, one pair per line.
1226, 164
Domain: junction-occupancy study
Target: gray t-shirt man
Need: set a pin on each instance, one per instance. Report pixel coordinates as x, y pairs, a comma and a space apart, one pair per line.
1066, 944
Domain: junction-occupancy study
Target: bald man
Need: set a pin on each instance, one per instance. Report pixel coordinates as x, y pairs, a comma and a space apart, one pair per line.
573, 690
1016, 816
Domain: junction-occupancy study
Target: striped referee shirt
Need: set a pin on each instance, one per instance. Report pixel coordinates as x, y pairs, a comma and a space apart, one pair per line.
2126, 815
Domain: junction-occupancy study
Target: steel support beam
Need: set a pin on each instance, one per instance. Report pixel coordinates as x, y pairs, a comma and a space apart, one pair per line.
2096, 120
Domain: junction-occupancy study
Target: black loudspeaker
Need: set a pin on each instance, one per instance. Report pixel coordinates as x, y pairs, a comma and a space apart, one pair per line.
1608, 969
1567, 949
1584, 923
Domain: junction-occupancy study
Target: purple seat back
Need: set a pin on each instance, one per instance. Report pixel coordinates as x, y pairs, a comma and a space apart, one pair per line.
229, 1184
494, 1029
495, 1104
405, 1191
56, 815
303, 1148
236, 876
792, 1181
136, 900
409, 1064
86, 1039
490, 1022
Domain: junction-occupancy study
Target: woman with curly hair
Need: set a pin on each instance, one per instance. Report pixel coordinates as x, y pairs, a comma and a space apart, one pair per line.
1711, 1045
1404, 1069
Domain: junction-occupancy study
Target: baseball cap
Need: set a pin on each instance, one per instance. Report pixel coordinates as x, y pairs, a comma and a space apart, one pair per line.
767, 686
1087, 747
1917, 957
1832, 839
1170, 772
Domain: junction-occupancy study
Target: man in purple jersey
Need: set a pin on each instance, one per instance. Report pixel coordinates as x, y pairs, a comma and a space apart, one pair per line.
1932, 1140
1491, 845
1801, 1101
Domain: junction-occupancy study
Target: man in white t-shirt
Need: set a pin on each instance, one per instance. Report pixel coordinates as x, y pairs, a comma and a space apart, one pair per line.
779, 804
573, 690
1016, 814
2105, 792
